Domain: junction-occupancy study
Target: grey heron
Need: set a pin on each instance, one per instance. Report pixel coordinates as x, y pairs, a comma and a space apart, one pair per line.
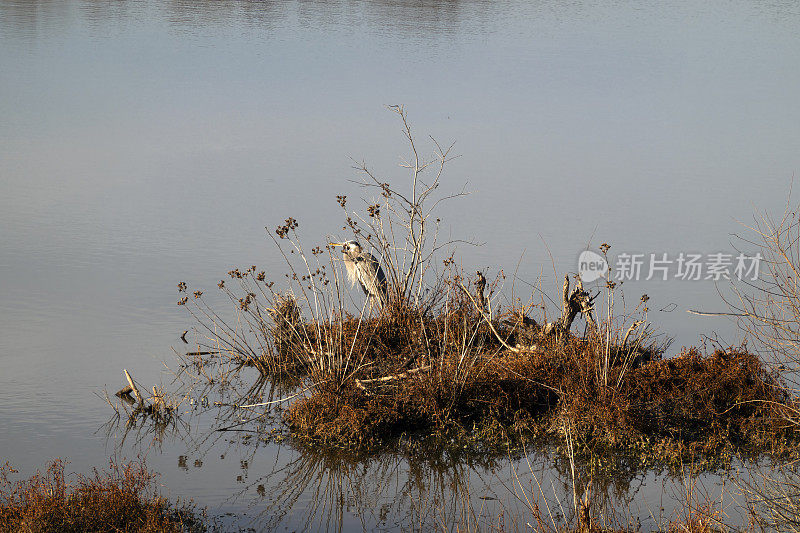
362, 266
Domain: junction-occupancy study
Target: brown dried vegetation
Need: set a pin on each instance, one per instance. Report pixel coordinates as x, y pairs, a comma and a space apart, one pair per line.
120, 500
437, 360
691, 405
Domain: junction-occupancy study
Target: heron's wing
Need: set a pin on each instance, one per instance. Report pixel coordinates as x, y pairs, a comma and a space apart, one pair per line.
380, 277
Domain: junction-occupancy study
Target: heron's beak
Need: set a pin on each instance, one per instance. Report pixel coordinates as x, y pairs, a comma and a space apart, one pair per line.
335, 244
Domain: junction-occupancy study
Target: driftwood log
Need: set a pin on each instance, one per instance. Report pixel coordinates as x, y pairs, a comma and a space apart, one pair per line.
124, 394
572, 303
133, 388
361, 382
157, 399
578, 301
480, 286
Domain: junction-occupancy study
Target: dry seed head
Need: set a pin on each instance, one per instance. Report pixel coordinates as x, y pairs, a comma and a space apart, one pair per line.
290, 224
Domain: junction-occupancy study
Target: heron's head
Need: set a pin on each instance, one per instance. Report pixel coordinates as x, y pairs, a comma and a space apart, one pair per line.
351, 247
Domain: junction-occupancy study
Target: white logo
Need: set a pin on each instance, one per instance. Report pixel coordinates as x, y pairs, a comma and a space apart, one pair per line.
591, 266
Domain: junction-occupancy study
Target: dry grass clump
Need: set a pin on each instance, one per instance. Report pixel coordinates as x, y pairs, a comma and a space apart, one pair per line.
122, 499
692, 404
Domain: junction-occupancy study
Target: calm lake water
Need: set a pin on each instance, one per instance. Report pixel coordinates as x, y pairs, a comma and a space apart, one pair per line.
147, 142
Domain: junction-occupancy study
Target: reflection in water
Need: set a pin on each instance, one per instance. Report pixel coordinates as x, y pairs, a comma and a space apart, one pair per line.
280, 483
184, 14
29, 18
385, 491
417, 20
420, 20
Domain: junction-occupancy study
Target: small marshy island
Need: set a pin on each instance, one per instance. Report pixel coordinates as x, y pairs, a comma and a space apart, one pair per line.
431, 357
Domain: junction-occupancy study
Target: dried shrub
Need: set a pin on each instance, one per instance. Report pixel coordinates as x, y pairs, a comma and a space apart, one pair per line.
121, 499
